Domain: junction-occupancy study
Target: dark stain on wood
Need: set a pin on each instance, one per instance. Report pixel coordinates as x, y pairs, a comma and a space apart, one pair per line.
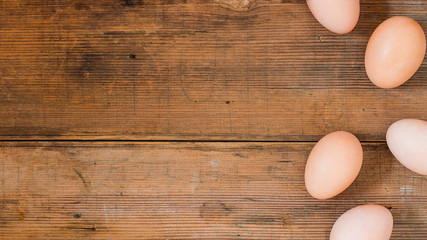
240, 155
214, 209
86, 66
81, 6
89, 64
133, 2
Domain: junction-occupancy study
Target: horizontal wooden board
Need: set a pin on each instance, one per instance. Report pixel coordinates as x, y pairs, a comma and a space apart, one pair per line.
129, 190
195, 70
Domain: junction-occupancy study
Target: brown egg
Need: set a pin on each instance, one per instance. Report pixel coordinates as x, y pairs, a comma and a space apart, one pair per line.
407, 140
366, 222
337, 16
395, 51
333, 164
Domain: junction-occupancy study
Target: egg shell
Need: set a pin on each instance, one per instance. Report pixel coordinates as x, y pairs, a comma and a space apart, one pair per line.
367, 222
407, 140
394, 52
333, 164
338, 16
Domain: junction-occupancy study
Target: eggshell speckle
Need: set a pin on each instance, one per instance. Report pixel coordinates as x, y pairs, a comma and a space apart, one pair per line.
395, 51
367, 222
338, 16
407, 140
333, 164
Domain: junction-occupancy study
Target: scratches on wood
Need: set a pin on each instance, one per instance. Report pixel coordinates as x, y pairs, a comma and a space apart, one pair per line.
193, 70
155, 190
199, 70
84, 181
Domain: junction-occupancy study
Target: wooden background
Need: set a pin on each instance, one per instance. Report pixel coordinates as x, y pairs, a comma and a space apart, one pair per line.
192, 119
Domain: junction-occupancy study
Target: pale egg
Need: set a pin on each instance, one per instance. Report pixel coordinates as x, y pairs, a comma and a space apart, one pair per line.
338, 16
395, 51
333, 164
366, 222
407, 140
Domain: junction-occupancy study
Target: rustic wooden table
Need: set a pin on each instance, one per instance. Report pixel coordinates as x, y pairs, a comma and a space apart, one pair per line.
155, 119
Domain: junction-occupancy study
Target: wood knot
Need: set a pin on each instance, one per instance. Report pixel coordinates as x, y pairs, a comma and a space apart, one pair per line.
240, 5
21, 216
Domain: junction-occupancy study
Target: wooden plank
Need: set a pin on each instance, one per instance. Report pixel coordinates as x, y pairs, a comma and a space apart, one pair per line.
128, 190
197, 70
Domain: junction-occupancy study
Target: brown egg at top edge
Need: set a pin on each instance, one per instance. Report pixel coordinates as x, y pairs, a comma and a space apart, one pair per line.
338, 16
394, 52
333, 164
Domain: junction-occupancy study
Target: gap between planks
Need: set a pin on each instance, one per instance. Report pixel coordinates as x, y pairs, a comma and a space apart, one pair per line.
172, 141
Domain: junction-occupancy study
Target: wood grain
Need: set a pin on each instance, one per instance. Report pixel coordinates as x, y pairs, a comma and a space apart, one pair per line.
193, 70
128, 190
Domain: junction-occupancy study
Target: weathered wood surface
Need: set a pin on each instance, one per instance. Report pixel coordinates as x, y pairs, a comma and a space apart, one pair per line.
113, 190
192, 70
195, 70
